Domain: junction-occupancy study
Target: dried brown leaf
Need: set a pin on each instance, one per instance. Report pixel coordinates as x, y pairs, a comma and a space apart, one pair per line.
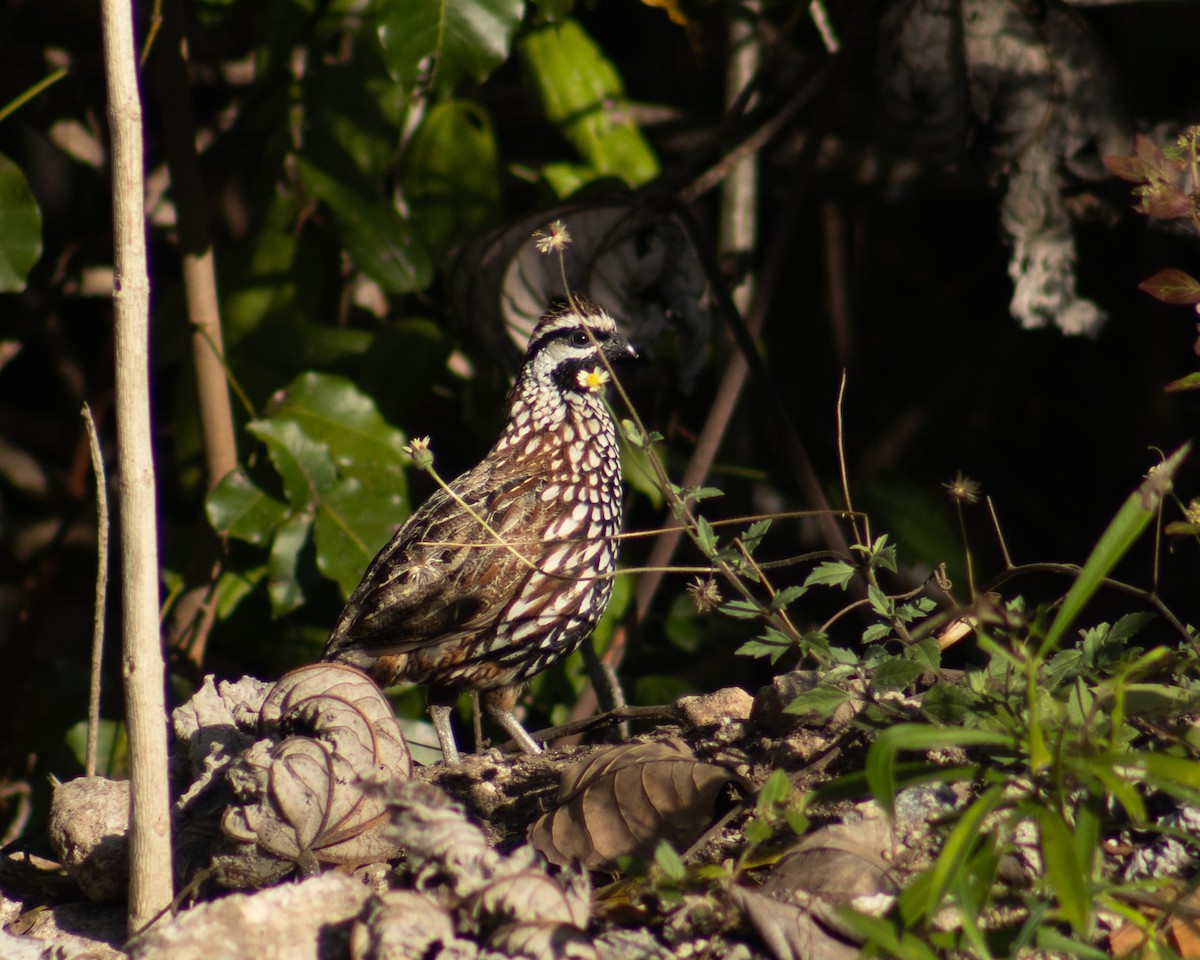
403, 924
789, 931
1172, 286
543, 941
623, 801
533, 896
314, 798
343, 707
838, 863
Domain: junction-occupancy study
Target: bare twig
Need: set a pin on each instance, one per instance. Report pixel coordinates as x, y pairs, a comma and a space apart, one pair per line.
143, 668
89, 766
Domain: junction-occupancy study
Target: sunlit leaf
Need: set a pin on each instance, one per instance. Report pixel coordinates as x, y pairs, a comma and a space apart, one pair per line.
451, 178
377, 238
464, 39
283, 584
303, 463
239, 508
581, 93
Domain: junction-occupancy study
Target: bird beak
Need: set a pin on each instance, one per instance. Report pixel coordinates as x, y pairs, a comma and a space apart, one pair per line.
619, 348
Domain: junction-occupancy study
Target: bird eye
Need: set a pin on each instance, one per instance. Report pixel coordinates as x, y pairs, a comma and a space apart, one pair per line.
579, 338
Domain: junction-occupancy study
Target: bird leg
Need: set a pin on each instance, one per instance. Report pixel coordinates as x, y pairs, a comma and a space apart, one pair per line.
500, 704
441, 705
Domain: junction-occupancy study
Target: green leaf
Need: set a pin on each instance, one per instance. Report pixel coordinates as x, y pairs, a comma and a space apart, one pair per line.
754, 533
283, 584
785, 596
1189, 382
822, 700
334, 412
772, 645
895, 673
830, 573
377, 238
708, 539
742, 609
112, 747
1172, 286
581, 93
881, 603
351, 527
304, 464
467, 39
21, 237
669, 862
1063, 870
451, 178
1129, 523
775, 791
239, 508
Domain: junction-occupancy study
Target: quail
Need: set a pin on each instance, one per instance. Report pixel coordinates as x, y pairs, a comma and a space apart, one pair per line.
457, 605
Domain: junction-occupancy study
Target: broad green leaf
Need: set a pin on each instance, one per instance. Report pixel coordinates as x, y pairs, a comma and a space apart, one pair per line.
283, 585
21, 232
304, 464
831, 574
335, 413
466, 39
112, 747
705, 536
451, 178
351, 527
581, 93
239, 508
377, 238
1063, 869
822, 700
895, 673
1133, 518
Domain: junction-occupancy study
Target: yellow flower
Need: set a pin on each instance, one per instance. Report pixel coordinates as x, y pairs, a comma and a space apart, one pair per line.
594, 380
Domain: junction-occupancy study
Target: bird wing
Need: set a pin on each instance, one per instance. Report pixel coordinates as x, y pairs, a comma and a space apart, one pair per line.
444, 574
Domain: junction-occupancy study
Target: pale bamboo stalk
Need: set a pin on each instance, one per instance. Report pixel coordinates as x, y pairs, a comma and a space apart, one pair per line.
142, 664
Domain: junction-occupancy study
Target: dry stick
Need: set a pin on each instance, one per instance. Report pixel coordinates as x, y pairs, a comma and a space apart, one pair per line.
195, 611
142, 665
93, 734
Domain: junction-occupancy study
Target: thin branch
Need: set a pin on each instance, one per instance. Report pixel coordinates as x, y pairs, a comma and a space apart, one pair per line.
143, 667
101, 601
